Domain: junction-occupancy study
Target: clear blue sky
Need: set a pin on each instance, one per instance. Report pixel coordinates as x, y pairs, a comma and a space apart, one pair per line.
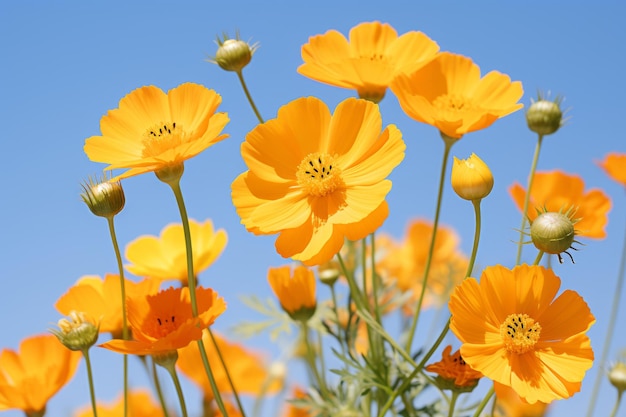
65, 63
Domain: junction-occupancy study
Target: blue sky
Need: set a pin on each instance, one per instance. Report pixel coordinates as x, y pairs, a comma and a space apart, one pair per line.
65, 64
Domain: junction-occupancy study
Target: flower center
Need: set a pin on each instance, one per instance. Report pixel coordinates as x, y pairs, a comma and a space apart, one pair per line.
160, 138
519, 333
162, 326
318, 174
454, 103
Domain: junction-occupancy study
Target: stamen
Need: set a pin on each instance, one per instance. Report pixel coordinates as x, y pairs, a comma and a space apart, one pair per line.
162, 137
316, 175
519, 333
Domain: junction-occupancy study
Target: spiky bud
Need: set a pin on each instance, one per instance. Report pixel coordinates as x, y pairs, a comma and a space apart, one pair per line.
77, 332
544, 116
103, 197
233, 54
553, 232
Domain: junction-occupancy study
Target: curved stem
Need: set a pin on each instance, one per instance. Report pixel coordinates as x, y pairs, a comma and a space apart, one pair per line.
455, 396
230, 380
617, 403
191, 279
179, 391
477, 228
610, 329
484, 402
531, 177
431, 247
157, 387
249, 97
120, 267
92, 393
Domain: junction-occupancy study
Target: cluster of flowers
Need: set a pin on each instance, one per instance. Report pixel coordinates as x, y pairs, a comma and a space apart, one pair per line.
319, 180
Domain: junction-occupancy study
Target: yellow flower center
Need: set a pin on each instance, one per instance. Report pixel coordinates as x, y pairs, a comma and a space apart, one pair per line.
454, 102
519, 333
160, 138
318, 175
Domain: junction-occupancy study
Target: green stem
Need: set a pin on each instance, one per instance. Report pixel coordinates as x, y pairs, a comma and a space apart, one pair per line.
455, 396
617, 403
249, 97
171, 369
310, 357
477, 228
531, 178
157, 387
431, 247
538, 258
342, 341
92, 392
484, 402
120, 267
230, 380
611, 327
191, 279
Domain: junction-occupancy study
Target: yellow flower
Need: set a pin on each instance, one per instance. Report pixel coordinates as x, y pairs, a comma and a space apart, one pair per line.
516, 333
449, 94
152, 130
317, 178
140, 404
471, 178
509, 404
35, 373
368, 62
404, 263
101, 299
295, 290
453, 370
165, 257
614, 164
557, 191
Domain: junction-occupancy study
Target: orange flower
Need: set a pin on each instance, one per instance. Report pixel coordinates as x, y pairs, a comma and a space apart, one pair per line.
516, 333
162, 323
557, 191
152, 130
449, 94
246, 368
614, 164
295, 291
404, 262
317, 178
140, 404
165, 257
35, 373
101, 299
369, 61
509, 404
453, 368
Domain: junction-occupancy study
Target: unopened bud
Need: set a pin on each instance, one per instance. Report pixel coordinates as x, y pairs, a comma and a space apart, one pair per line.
233, 54
471, 178
553, 232
545, 117
104, 198
77, 332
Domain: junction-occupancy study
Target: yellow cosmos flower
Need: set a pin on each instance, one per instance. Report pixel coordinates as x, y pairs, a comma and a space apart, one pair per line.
295, 290
404, 262
317, 178
152, 130
369, 61
516, 333
449, 94
556, 191
246, 368
509, 404
140, 404
614, 164
35, 373
454, 370
165, 257
471, 178
101, 299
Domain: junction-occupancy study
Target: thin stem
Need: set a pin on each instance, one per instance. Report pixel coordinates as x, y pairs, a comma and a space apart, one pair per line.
310, 357
249, 97
230, 380
333, 294
538, 258
171, 369
610, 329
617, 403
531, 177
484, 402
120, 267
455, 396
191, 279
157, 387
431, 247
92, 392
477, 228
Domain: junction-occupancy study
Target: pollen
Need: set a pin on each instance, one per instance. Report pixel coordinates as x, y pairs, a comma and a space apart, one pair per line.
519, 333
161, 137
319, 175
454, 103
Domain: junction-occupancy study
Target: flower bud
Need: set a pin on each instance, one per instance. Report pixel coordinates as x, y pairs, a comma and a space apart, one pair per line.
471, 178
329, 272
545, 117
77, 332
553, 232
617, 376
233, 54
104, 198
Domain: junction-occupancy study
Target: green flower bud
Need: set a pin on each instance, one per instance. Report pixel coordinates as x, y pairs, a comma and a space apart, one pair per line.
233, 54
104, 198
77, 332
553, 232
545, 117
617, 376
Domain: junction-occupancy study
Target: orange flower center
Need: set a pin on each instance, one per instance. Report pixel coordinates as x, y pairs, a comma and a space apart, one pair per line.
318, 175
519, 333
453, 102
160, 138
159, 327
